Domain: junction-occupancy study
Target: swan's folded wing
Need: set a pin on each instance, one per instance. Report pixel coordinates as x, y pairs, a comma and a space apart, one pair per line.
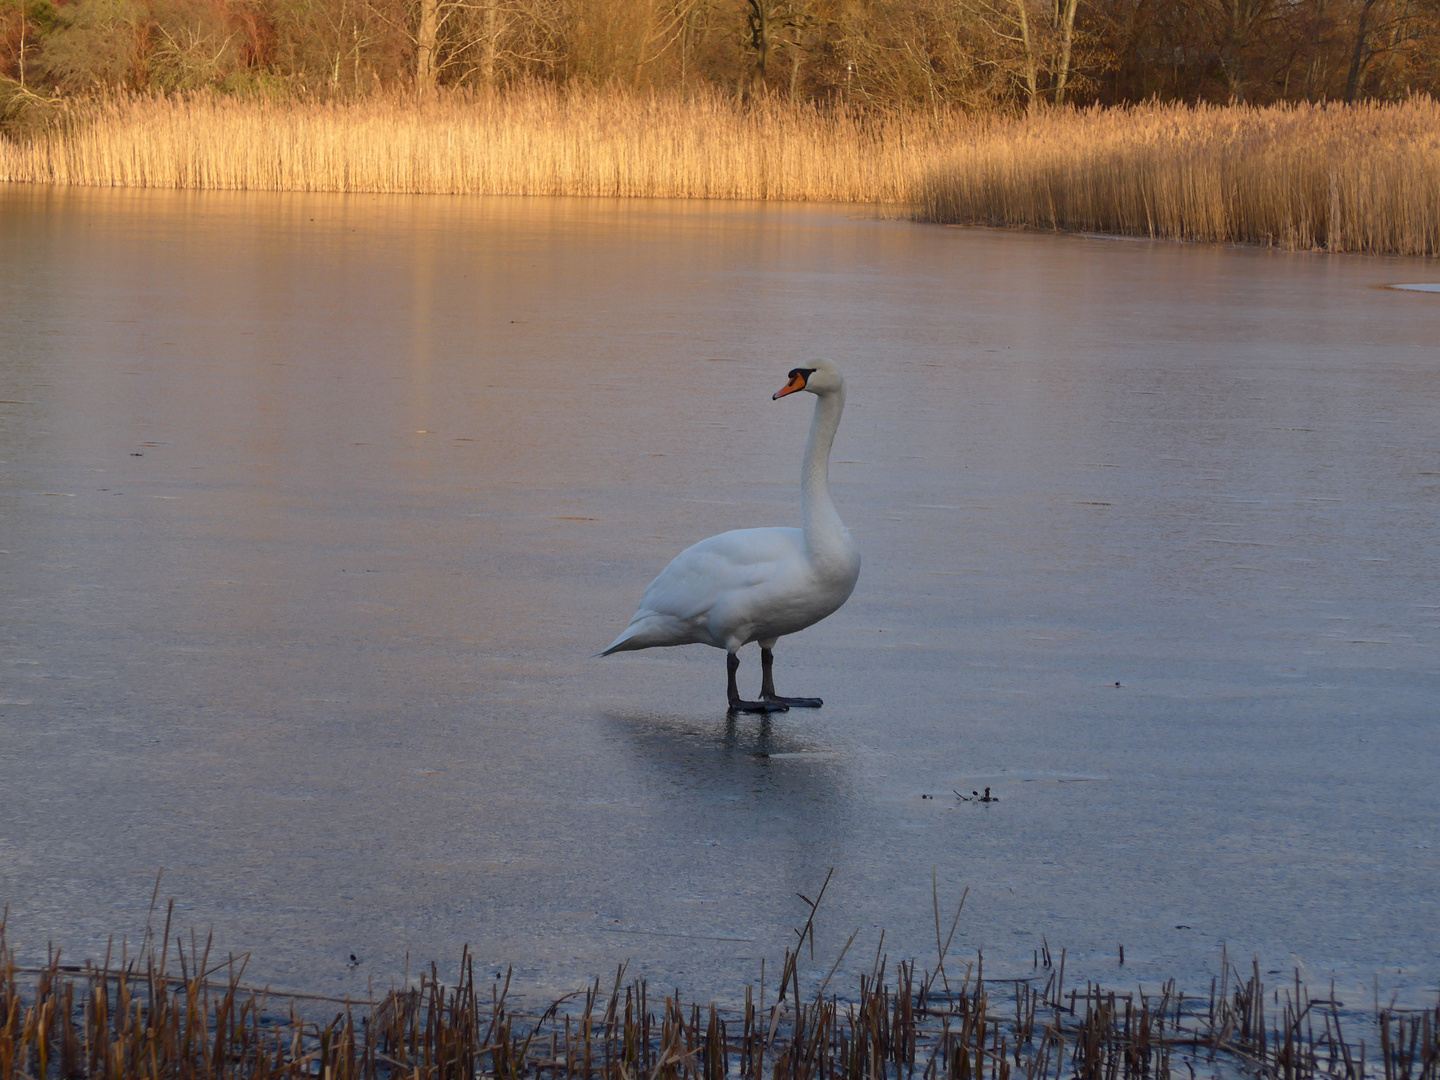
705, 574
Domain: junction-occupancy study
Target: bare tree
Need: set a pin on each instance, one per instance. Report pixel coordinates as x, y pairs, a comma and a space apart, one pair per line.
425, 45
1065, 24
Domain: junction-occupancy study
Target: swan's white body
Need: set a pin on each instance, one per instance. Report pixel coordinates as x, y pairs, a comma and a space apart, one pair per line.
760, 584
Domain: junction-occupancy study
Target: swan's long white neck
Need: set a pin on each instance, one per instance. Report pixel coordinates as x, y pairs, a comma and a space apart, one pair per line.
825, 534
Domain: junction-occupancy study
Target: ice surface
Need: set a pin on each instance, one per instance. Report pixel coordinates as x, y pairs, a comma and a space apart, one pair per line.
315, 509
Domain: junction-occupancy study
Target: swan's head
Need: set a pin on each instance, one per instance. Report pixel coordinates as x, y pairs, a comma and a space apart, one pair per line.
819, 377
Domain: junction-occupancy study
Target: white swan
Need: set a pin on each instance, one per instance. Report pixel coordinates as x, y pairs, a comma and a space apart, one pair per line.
760, 584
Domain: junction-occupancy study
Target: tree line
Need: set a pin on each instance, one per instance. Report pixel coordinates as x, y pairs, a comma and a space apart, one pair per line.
972, 54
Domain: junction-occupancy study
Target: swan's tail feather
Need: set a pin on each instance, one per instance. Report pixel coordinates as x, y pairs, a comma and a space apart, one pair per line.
627, 641
650, 630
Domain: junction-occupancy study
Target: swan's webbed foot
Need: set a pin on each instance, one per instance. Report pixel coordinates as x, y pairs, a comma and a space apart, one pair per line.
732, 692
736, 705
767, 686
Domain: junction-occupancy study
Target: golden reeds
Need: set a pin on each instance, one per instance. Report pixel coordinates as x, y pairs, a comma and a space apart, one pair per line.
531, 142
1335, 177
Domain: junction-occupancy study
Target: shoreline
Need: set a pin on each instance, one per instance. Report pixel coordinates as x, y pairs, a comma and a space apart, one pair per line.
1357, 178
135, 1017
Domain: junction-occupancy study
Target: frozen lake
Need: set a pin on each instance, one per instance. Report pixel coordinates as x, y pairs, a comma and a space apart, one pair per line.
313, 510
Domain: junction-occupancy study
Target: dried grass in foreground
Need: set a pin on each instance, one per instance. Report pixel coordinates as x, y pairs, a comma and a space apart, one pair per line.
1336, 177
139, 1020
534, 141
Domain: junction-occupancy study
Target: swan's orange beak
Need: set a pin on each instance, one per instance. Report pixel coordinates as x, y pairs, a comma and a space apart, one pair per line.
797, 382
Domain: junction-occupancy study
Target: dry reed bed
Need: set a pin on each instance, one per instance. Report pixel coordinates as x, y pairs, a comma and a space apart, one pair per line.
1340, 178
533, 142
139, 1020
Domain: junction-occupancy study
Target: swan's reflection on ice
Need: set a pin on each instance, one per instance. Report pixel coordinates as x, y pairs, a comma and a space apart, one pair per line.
744, 777
739, 815
739, 736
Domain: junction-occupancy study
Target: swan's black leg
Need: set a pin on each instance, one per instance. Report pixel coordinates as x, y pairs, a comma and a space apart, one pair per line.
732, 665
767, 686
